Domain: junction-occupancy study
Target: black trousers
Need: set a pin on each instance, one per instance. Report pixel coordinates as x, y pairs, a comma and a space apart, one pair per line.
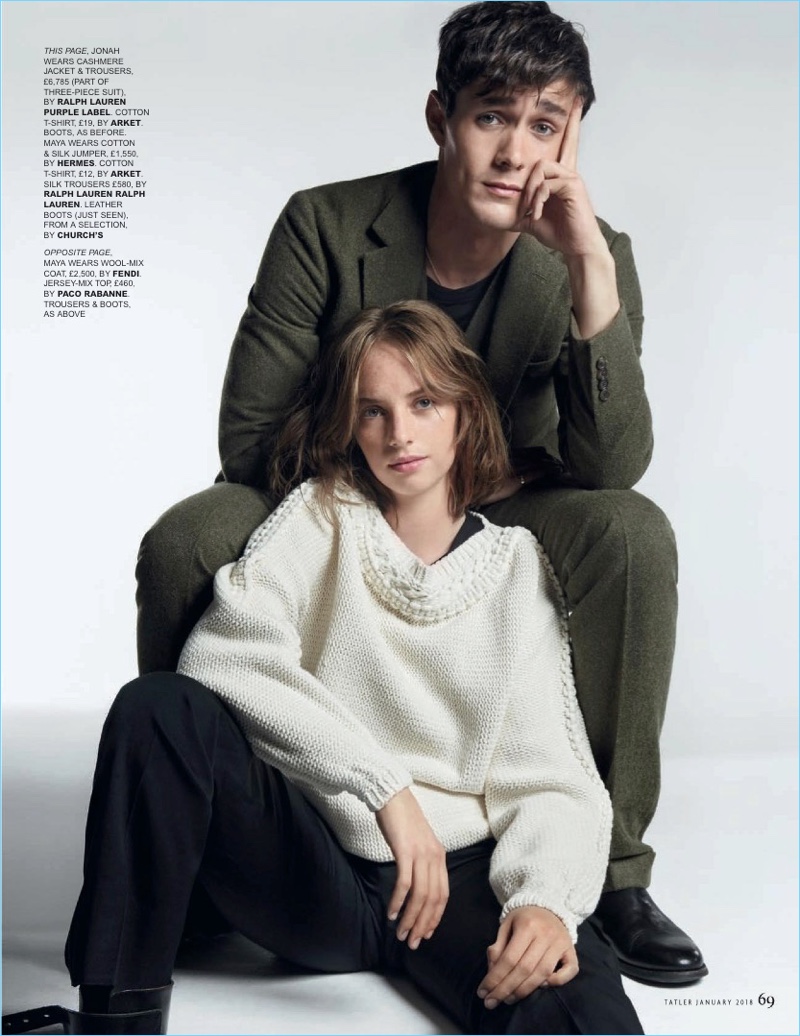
181, 807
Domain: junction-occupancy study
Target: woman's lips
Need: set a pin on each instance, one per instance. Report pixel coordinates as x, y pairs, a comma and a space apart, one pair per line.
407, 465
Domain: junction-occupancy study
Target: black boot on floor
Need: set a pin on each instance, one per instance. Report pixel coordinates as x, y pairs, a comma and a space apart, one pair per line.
137, 1012
650, 948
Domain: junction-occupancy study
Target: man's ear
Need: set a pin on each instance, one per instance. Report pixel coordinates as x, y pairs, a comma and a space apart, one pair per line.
435, 117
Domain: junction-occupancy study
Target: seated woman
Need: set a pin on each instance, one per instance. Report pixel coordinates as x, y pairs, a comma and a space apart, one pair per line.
372, 756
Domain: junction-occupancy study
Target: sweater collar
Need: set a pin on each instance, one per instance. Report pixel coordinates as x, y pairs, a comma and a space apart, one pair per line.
424, 593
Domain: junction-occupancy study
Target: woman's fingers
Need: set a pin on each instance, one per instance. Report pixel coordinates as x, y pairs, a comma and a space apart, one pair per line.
421, 888
427, 900
401, 888
568, 970
533, 948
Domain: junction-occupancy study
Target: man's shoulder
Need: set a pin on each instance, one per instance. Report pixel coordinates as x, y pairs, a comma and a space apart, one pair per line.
366, 196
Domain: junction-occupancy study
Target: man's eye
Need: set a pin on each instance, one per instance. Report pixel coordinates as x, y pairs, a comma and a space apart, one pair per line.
488, 119
544, 129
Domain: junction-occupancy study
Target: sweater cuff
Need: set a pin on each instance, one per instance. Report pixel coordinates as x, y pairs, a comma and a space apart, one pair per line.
551, 903
379, 788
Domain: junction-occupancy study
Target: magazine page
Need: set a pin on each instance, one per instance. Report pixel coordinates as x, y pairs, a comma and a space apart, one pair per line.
149, 149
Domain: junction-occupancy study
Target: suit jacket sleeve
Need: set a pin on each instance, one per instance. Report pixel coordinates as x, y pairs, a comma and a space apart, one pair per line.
277, 340
605, 425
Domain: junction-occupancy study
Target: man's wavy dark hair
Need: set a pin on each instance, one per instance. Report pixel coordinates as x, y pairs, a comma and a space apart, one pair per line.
510, 46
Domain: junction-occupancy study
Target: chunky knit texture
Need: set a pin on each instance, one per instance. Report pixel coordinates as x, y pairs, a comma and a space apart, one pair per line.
357, 671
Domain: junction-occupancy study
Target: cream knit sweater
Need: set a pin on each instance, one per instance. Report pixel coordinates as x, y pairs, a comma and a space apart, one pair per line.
357, 671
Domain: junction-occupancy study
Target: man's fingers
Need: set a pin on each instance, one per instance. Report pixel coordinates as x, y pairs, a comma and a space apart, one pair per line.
547, 179
533, 183
568, 155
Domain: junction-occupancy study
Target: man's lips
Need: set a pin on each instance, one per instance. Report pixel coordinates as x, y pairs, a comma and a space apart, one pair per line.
503, 190
406, 464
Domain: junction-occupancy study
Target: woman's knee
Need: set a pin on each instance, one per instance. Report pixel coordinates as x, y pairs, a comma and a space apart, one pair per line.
162, 700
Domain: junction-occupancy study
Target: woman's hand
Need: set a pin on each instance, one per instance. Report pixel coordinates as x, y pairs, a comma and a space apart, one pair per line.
422, 883
531, 943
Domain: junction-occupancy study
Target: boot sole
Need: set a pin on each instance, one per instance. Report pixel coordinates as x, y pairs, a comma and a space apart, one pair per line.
660, 977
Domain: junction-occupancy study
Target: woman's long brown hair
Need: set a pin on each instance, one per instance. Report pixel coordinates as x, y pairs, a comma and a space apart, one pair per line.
318, 436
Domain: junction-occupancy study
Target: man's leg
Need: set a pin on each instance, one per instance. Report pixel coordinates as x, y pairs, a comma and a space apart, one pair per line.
449, 967
179, 799
178, 559
614, 554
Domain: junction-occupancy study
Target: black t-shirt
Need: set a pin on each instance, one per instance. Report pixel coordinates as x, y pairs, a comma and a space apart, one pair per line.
459, 303
471, 525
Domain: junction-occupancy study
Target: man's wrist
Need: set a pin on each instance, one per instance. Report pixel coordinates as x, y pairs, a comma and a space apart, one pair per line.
593, 284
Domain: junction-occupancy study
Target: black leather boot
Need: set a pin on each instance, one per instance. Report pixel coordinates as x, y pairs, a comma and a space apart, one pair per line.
649, 946
138, 1012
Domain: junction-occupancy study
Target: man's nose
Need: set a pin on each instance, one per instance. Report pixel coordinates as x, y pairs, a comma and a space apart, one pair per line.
511, 152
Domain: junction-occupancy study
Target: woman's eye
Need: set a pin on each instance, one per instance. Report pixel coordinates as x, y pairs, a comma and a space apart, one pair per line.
370, 412
424, 403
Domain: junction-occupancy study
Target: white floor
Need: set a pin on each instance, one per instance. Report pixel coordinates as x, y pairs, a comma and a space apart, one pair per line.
726, 832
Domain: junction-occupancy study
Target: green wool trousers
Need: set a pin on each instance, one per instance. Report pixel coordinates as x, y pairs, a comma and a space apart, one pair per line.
614, 554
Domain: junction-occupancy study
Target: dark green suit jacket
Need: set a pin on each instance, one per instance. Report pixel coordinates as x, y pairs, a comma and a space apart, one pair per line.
339, 248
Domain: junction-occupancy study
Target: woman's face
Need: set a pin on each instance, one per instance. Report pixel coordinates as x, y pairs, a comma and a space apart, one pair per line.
406, 434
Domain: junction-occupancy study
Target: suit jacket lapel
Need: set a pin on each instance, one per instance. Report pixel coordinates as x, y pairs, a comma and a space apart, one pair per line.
532, 300
532, 309
396, 269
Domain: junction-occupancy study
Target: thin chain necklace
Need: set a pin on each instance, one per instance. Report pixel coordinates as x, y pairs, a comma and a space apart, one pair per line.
434, 271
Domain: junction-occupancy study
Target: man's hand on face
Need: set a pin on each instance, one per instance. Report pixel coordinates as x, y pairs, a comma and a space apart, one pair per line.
555, 208
554, 205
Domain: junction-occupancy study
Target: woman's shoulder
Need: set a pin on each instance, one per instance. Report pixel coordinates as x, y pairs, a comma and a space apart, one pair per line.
513, 537
525, 551
309, 516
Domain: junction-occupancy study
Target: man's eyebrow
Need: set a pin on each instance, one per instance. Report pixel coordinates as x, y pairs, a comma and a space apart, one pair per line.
544, 104
552, 108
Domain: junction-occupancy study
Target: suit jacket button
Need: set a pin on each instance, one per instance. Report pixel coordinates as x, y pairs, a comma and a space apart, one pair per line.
602, 383
604, 395
601, 363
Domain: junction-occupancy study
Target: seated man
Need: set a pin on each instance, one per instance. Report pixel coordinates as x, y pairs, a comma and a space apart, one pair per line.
500, 233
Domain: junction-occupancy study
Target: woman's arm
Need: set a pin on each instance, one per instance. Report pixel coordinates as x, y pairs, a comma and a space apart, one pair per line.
546, 803
248, 648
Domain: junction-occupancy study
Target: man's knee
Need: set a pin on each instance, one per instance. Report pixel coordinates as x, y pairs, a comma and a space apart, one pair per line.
639, 532
205, 531
177, 562
619, 529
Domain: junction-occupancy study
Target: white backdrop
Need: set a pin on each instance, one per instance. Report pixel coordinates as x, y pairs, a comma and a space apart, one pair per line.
107, 421
691, 148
